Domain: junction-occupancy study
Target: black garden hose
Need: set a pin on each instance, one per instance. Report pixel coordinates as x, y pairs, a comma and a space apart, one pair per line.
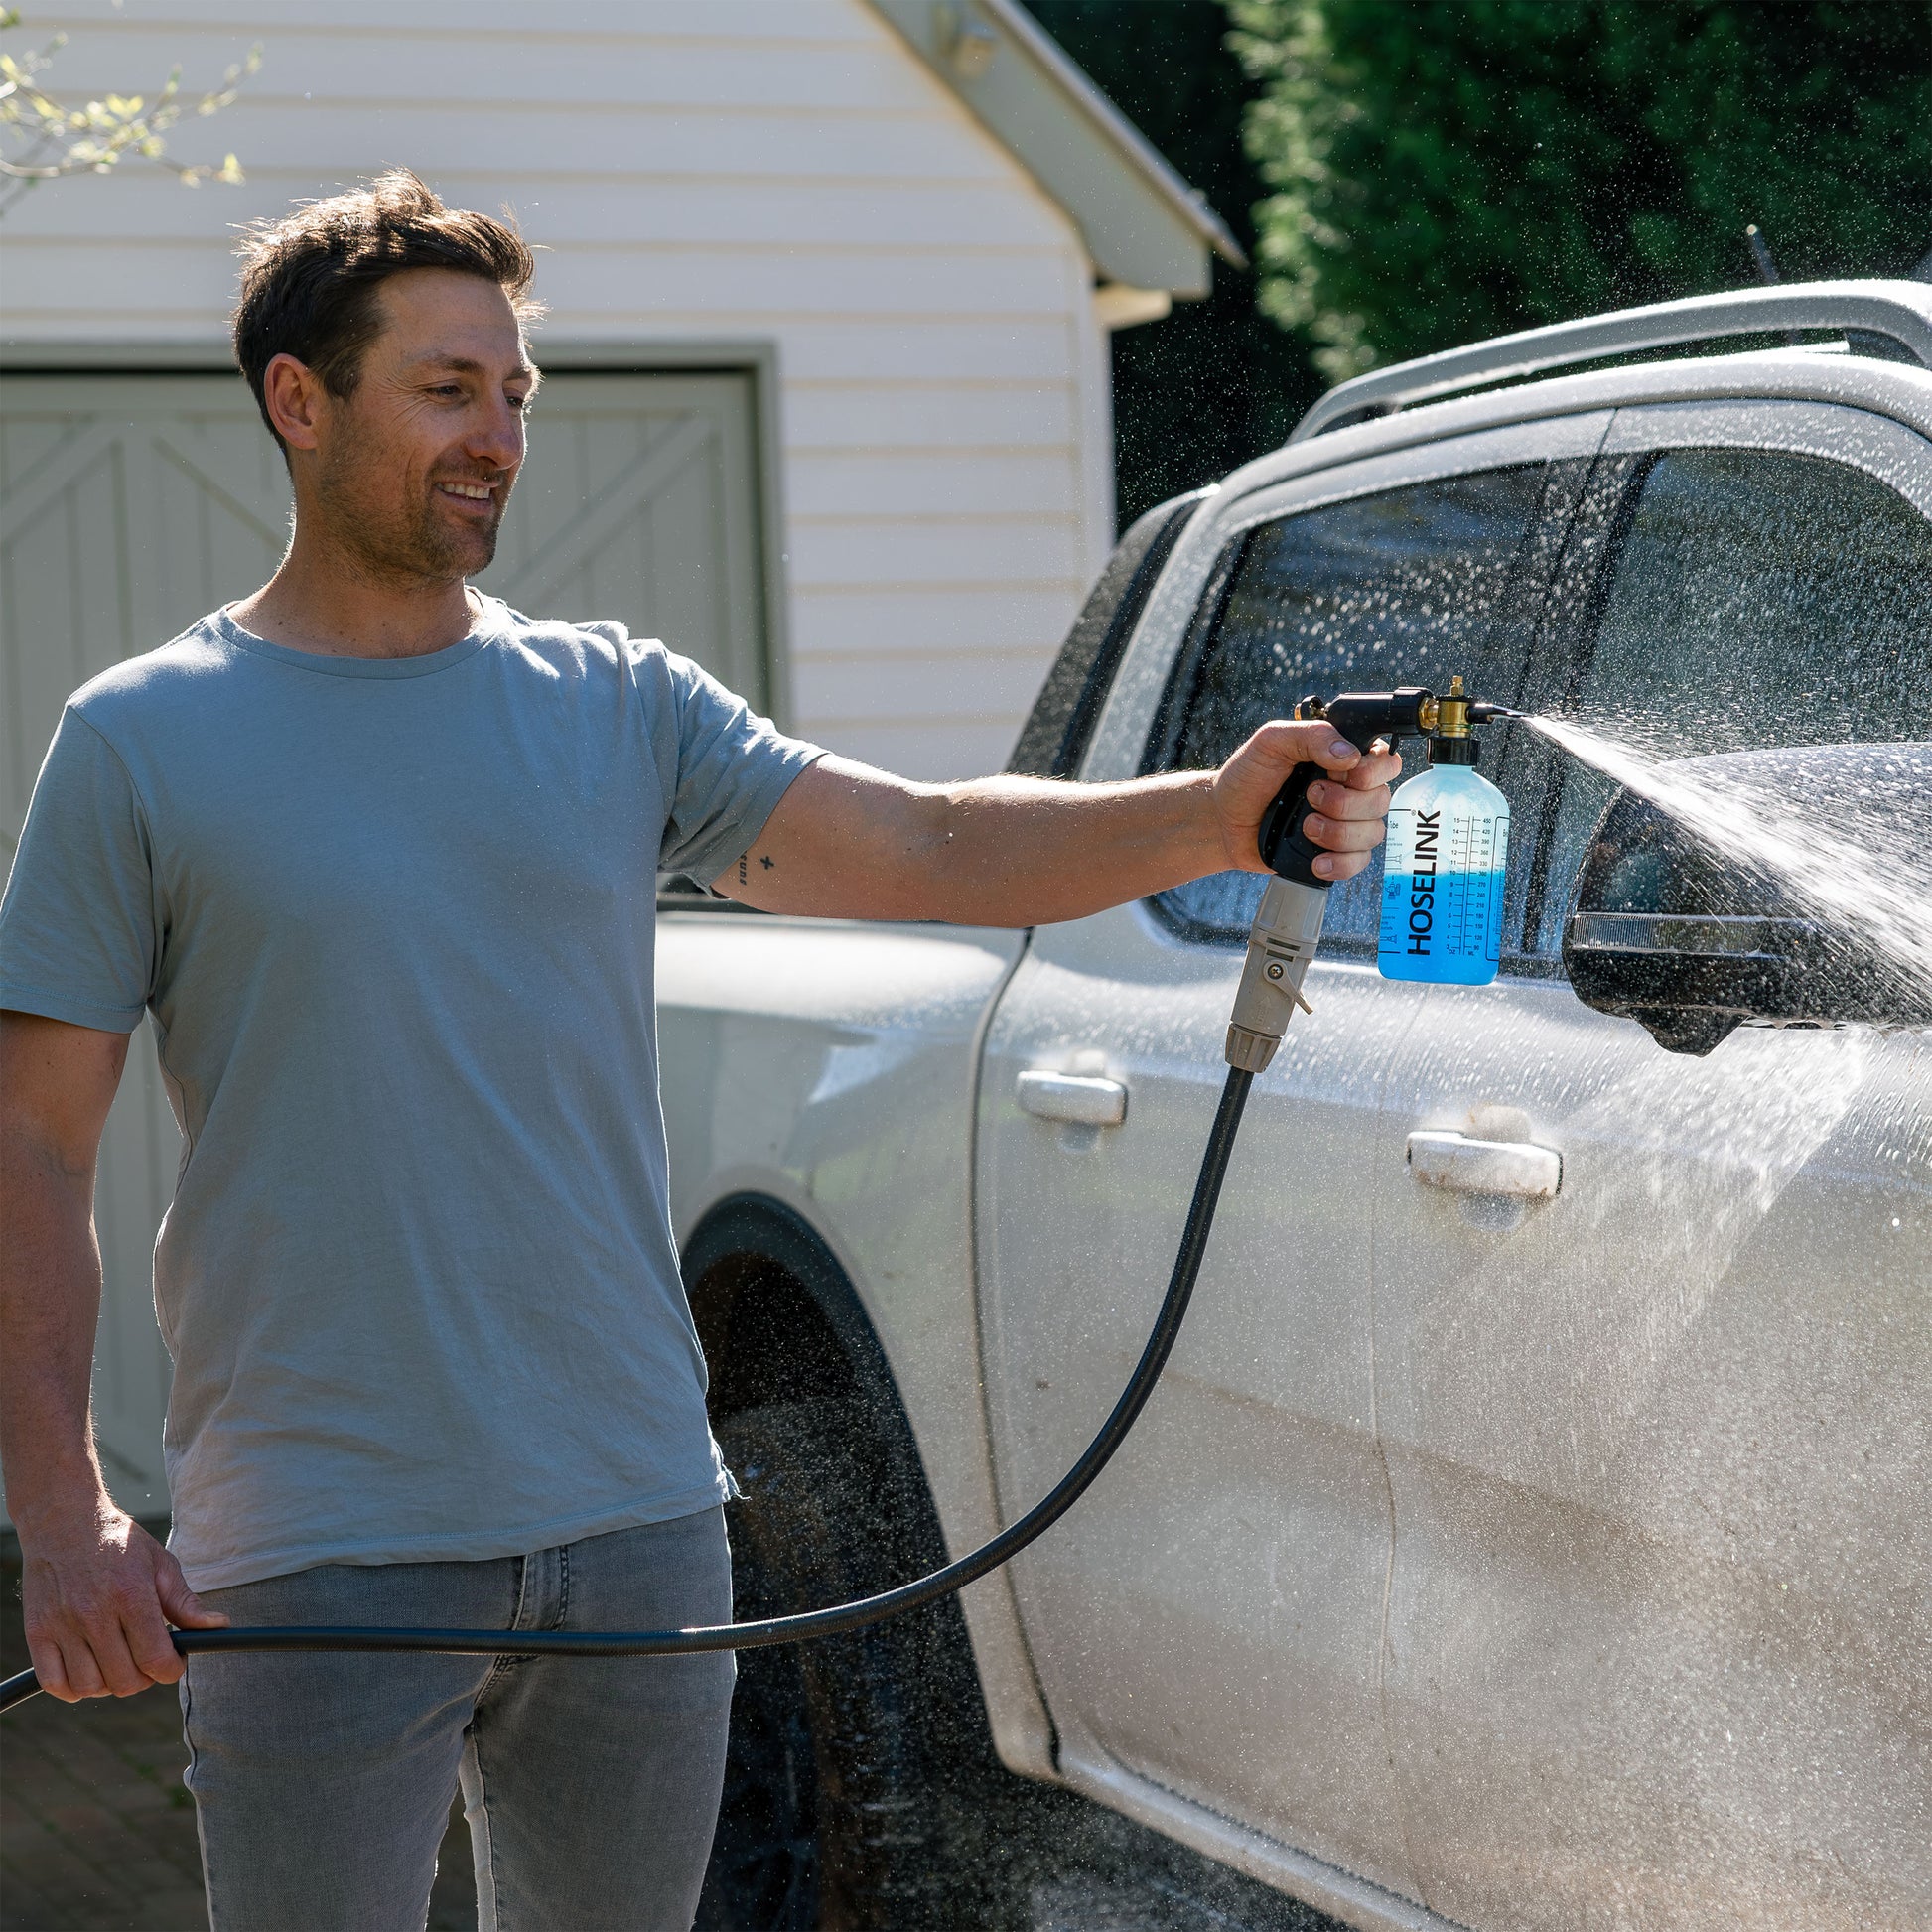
838, 1618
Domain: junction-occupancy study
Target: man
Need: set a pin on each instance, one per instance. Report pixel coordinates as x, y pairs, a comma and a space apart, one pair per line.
379, 856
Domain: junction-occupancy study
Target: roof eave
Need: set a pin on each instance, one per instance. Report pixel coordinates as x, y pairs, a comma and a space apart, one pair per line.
1141, 221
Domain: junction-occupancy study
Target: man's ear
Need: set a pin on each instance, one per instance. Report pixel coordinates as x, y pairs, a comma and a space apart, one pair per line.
295, 400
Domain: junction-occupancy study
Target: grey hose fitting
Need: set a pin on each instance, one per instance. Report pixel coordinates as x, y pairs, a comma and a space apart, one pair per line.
1281, 943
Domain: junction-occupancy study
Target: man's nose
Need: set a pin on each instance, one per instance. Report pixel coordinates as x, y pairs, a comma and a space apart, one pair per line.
496, 437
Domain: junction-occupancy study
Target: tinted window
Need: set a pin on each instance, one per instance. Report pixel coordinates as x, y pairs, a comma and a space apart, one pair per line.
1403, 588
1757, 599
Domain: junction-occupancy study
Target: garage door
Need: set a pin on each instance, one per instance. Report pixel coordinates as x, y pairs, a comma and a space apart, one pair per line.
131, 504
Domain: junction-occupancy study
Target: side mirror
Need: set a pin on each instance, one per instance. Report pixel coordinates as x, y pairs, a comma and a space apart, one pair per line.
1691, 943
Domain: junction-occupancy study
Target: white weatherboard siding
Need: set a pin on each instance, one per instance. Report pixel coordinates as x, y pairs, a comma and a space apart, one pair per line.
730, 172
723, 190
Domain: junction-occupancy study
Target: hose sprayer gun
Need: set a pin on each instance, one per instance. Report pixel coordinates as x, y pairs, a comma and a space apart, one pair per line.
1288, 923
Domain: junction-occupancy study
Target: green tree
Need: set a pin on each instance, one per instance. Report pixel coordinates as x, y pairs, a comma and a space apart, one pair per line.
1445, 170
1216, 381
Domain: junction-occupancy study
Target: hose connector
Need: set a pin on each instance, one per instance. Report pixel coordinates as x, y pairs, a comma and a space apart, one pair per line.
1452, 710
1280, 948
1450, 741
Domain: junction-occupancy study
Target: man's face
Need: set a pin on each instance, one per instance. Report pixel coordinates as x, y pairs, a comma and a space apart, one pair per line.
413, 470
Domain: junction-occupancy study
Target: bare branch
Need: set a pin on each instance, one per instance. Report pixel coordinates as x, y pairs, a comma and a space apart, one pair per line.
45, 137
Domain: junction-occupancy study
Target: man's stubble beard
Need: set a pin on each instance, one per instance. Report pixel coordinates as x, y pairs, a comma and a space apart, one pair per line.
408, 547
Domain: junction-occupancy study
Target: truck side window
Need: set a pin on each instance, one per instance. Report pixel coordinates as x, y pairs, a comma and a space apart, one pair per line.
1758, 597
1407, 587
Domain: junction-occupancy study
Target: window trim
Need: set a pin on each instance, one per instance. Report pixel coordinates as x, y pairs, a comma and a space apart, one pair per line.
1054, 736
1844, 433
1120, 740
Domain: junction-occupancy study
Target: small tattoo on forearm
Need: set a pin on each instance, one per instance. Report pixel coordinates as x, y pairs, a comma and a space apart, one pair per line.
741, 857
768, 862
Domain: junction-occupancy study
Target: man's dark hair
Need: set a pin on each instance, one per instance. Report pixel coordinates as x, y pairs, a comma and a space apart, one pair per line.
308, 281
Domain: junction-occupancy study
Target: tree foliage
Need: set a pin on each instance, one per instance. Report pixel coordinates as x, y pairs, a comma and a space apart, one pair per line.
1445, 170
45, 137
1215, 382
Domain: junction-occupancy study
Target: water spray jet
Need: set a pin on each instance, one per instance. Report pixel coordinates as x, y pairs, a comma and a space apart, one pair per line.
1705, 899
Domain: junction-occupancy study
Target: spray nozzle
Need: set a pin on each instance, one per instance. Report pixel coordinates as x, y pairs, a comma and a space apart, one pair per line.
1411, 711
1288, 926
1449, 742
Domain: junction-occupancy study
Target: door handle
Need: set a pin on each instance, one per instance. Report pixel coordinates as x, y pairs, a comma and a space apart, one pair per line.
1079, 1097
1439, 1159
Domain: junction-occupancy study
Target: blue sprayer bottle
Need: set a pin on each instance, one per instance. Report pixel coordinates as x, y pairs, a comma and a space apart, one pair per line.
1443, 880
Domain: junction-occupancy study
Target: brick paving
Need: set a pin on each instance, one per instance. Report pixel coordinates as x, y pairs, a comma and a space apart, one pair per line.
95, 1828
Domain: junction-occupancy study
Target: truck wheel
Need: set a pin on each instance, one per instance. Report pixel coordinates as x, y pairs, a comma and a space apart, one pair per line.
837, 1810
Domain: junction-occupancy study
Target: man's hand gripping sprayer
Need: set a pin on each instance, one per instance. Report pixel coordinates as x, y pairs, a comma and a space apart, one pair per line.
1281, 946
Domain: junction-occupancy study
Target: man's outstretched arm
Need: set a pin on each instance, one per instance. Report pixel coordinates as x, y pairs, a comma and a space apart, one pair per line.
97, 1591
847, 840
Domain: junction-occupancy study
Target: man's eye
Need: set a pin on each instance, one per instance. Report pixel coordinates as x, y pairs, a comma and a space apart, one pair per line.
518, 403
446, 390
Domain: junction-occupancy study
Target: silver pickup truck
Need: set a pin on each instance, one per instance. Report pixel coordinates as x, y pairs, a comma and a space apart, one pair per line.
1535, 1539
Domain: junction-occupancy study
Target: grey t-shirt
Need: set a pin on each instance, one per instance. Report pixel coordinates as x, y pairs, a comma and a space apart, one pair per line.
394, 920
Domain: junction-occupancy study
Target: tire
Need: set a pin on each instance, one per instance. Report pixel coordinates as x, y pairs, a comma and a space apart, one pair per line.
848, 1789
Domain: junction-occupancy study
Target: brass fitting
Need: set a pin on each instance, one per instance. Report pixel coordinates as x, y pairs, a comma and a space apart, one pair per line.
1452, 718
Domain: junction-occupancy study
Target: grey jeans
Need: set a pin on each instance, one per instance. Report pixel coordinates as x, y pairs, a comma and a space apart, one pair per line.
323, 1781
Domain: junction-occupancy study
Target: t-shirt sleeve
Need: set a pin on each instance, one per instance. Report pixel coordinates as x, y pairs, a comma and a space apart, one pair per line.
725, 769
77, 927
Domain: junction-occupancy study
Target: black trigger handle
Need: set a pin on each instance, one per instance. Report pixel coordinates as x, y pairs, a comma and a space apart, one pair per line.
1286, 846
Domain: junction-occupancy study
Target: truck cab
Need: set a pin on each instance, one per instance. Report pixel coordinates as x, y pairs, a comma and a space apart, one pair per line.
1512, 1541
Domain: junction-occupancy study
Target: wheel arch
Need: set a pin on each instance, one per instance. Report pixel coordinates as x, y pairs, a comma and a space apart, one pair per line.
779, 1321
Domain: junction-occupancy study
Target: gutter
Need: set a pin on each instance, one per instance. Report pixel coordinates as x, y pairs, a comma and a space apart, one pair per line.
1188, 203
